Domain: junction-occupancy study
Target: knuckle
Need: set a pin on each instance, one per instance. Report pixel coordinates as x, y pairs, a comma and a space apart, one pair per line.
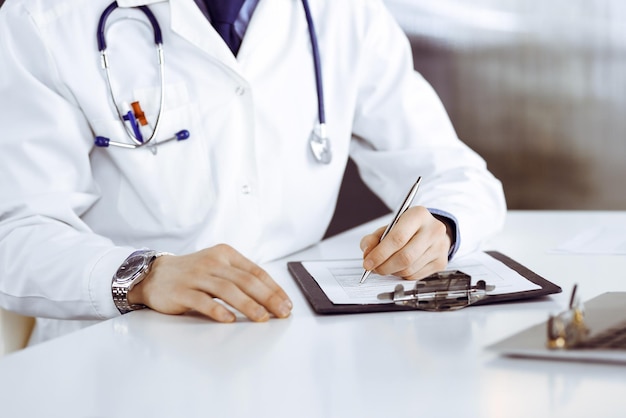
405, 259
398, 238
223, 248
420, 274
440, 228
413, 273
256, 272
248, 281
254, 277
275, 299
421, 210
223, 287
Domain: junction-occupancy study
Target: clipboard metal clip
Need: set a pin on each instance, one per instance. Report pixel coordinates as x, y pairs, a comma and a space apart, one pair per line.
444, 291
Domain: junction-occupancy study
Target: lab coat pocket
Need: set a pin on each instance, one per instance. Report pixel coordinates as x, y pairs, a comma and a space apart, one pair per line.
170, 190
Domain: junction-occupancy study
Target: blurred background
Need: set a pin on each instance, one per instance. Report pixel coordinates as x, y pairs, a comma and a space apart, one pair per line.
537, 87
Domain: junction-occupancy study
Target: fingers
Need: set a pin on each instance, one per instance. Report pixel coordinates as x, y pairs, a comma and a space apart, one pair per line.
252, 292
178, 284
251, 273
416, 247
370, 241
431, 261
208, 306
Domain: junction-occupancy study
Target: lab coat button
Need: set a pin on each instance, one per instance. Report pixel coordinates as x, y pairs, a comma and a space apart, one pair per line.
240, 90
246, 189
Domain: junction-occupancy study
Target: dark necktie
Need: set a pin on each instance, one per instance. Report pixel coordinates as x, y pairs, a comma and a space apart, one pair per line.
223, 15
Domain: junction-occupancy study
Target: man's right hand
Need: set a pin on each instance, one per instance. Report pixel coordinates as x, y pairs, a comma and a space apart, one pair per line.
179, 284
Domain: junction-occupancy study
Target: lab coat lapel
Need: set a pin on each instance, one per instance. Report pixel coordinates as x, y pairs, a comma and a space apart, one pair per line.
189, 22
261, 36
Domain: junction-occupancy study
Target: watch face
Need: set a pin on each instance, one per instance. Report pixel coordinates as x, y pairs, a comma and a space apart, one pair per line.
131, 266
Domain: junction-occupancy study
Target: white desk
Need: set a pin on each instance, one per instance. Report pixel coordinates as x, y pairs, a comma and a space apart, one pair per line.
370, 365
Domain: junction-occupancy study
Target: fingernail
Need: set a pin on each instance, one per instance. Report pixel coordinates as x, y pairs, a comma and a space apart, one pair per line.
228, 317
285, 308
261, 314
368, 264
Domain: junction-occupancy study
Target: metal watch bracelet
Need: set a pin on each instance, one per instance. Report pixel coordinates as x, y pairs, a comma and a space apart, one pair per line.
134, 269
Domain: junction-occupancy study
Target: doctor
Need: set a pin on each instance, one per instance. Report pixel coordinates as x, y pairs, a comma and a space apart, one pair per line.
260, 132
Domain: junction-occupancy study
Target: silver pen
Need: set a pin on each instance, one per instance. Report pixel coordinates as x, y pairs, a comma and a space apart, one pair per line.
405, 205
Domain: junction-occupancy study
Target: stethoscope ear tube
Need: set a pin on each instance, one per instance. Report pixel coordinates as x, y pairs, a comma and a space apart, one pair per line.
317, 63
318, 140
102, 43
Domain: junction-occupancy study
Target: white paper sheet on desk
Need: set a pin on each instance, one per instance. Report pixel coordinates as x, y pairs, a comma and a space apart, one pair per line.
597, 240
339, 279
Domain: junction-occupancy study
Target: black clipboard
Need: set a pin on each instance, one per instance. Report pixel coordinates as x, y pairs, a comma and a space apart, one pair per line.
322, 305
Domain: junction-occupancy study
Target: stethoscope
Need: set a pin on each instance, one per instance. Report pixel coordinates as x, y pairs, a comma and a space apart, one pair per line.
135, 122
133, 117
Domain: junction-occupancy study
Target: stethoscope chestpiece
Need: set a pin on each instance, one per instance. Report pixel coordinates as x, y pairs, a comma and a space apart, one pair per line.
320, 144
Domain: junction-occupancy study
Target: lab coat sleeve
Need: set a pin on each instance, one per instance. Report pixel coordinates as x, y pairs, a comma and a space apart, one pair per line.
402, 131
51, 264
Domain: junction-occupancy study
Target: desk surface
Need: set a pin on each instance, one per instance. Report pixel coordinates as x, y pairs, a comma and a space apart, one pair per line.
386, 364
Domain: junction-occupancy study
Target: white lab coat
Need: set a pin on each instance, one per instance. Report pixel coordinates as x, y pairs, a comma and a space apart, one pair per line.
70, 213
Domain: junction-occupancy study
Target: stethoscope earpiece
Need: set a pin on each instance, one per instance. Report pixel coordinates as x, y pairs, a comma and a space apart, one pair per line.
104, 142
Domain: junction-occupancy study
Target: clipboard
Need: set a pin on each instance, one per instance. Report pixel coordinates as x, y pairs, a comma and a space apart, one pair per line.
323, 305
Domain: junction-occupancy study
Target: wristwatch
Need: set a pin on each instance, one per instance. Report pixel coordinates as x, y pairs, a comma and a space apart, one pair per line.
132, 271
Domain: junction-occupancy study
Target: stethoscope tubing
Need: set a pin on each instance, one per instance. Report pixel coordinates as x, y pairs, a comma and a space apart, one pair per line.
316, 63
102, 44
320, 131
102, 47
